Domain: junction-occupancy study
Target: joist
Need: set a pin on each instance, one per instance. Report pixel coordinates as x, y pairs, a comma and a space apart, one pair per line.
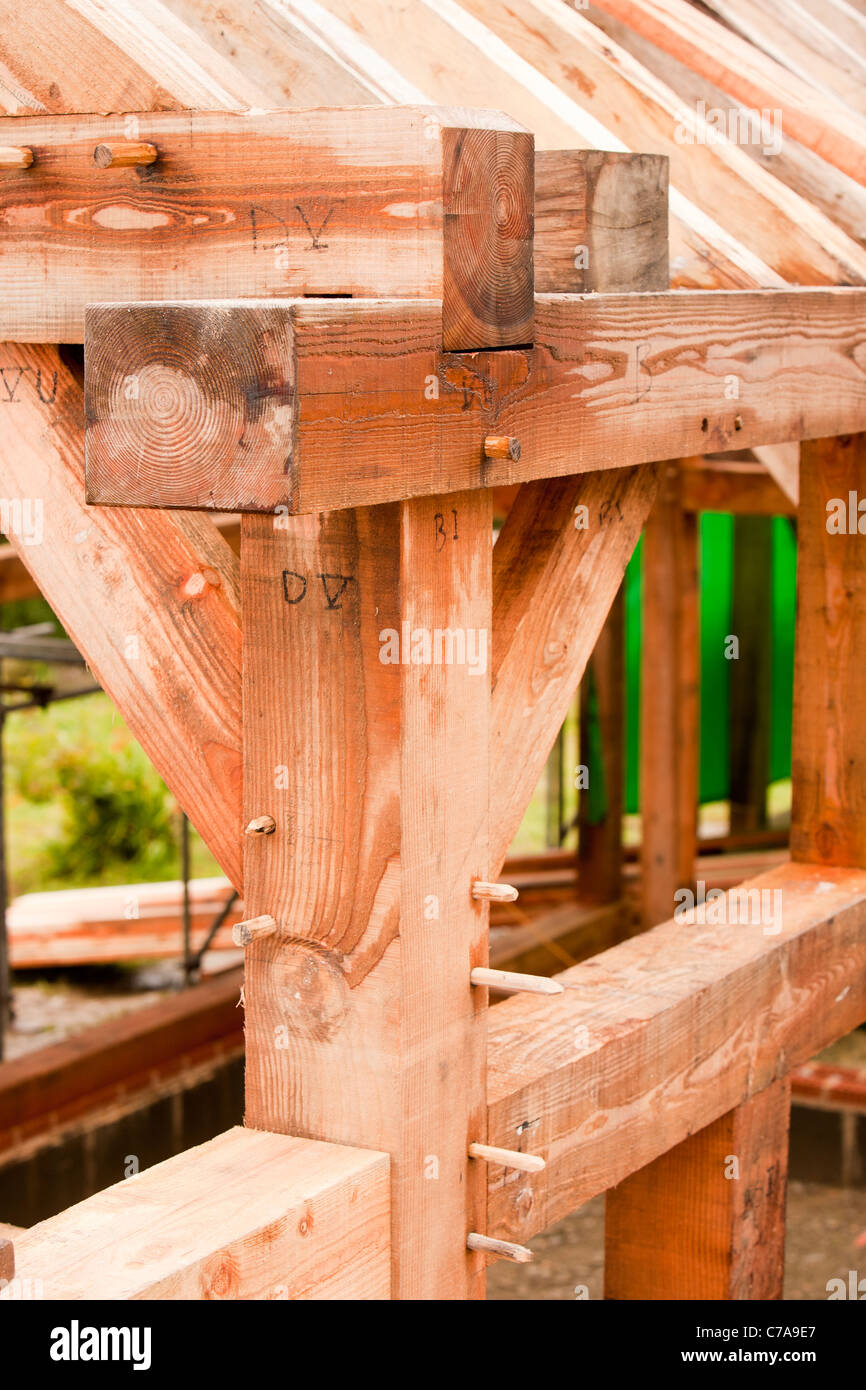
106, 573
248, 1215
715, 485
664, 1033
317, 405
405, 202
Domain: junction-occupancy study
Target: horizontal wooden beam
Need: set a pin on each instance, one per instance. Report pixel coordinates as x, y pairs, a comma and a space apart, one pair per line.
403, 201
665, 1032
249, 1215
746, 488
317, 405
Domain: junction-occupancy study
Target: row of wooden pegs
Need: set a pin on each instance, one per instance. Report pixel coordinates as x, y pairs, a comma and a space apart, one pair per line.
506, 981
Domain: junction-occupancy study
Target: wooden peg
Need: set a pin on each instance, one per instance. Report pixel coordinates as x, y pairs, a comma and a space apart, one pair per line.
124, 154
509, 1158
261, 825
505, 1249
7, 1259
509, 982
243, 933
494, 892
15, 157
502, 446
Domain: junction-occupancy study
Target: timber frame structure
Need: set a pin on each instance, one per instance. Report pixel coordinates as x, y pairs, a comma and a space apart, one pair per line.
355, 714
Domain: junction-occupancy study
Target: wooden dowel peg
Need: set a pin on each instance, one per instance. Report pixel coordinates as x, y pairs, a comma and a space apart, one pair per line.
505, 1249
243, 933
494, 892
509, 1158
509, 982
15, 157
502, 446
124, 154
261, 825
7, 1259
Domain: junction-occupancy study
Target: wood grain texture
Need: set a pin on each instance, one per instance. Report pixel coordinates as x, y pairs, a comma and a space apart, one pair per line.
361, 1020
794, 238
411, 202
601, 221
706, 1221
247, 1215
379, 412
553, 585
750, 697
828, 813
755, 77
731, 485
150, 599
666, 1032
670, 701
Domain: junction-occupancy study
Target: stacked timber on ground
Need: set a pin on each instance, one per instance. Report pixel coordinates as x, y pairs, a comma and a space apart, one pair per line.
357, 408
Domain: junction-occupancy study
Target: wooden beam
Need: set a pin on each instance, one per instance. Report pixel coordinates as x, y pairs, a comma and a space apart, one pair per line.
707, 1219
666, 1032
751, 673
669, 702
712, 485
406, 202
560, 45
322, 404
601, 221
247, 1215
176, 681
366, 699
557, 565
828, 814
748, 72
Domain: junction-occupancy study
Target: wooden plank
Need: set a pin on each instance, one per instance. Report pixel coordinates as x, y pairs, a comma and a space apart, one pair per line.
392, 201
602, 706
601, 221
828, 814
808, 49
716, 485
707, 1219
667, 1031
553, 584
72, 59
669, 702
837, 195
358, 402
106, 573
247, 1215
560, 44
821, 122
362, 1025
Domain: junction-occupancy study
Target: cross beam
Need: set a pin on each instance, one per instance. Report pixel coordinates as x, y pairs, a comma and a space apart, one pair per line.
316, 405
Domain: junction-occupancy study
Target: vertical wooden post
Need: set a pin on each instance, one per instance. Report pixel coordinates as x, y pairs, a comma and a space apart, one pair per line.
828, 815
751, 673
602, 219
670, 681
707, 1219
366, 711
